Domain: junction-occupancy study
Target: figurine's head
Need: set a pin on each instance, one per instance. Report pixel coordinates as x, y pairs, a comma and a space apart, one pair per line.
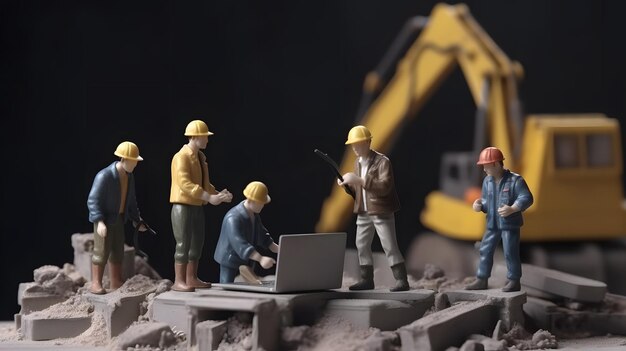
128, 153
360, 138
492, 160
198, 133
257, 196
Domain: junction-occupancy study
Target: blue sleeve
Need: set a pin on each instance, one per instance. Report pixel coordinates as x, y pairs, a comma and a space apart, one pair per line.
95, 201
524, 196
234, 232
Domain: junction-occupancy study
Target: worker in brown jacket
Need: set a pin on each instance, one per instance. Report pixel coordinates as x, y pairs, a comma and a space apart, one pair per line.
191, 189
375, 203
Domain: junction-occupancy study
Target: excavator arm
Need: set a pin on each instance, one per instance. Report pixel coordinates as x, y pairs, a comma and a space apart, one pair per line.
450, 37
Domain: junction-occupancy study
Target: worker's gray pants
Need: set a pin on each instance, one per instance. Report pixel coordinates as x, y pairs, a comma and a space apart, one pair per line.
385, 226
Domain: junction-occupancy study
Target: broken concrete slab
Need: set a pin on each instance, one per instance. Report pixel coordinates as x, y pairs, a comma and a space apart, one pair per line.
121, 307
209, 334
38, 328
381, 314
63, 320
449, 327
146, 334
508, 304
380, 308
598, 319
265, 322
36, 301
563, 284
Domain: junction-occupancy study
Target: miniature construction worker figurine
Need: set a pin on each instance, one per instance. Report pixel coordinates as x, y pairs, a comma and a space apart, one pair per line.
191, 190
504, 197
375, 203
242, 230
111, 203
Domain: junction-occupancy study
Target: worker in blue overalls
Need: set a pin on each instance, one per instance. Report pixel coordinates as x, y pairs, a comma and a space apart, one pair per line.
504, 197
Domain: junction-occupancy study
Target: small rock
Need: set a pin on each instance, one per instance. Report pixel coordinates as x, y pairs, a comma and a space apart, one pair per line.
471, 345
291, 336
441, 302
575, 305
432, 272
147, 334
544, 340
497, 331
45, 273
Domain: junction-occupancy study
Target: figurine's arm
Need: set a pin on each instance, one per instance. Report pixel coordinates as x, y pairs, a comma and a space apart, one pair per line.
383, 183
524, 197
233, 228
265, 238
95, 199
480, 205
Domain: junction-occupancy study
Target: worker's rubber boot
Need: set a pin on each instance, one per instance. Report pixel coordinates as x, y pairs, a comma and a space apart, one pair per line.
97, 272
192, 276
180, 273
512, 285
367, 279
399, 272
478, 284
115, 275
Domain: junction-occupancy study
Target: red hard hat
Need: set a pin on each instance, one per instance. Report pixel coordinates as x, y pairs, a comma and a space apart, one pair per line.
490, 155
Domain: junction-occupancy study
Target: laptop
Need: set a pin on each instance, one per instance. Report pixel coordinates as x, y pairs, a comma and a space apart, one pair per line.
306, 262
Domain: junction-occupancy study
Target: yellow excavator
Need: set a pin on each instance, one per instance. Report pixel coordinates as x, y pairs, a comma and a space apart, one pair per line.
572, 163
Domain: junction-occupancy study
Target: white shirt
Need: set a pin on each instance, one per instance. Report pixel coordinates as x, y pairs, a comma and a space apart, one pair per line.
363, 164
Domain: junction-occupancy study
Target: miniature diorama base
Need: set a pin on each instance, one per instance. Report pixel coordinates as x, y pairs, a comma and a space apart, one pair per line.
57, 310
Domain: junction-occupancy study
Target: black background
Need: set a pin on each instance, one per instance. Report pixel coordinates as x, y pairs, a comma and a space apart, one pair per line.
273, 80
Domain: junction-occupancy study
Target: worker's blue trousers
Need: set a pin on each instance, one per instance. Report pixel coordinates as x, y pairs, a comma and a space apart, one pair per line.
510, 243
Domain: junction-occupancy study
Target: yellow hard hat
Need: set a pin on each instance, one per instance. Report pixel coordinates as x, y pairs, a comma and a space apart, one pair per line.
128, 150
358, 133
257, 191
197, 128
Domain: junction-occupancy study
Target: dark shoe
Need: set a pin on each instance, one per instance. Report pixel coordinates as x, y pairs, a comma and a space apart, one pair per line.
478, 284
399, 272
367, 279
512, 285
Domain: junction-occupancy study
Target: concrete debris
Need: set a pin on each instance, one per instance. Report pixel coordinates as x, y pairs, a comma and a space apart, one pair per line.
571, 319
210, 334
432, 271
146, 308
382, 341
291, 336
490, 344
449, 327
519, 338
563, 284
471, 345
441, 302
146, 334
54, 280
237, 335
332, 333
497, 331
121, 307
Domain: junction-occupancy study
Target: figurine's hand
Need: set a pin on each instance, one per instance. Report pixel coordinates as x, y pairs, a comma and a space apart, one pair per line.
506, 210
267, 262
228, 196
274, 248
477, 205
352, 179
101, 229
216, 199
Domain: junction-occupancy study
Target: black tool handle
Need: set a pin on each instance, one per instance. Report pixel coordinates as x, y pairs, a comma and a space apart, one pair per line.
335, 168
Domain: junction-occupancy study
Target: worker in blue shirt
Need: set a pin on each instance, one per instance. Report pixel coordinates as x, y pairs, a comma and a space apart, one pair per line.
504, 197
